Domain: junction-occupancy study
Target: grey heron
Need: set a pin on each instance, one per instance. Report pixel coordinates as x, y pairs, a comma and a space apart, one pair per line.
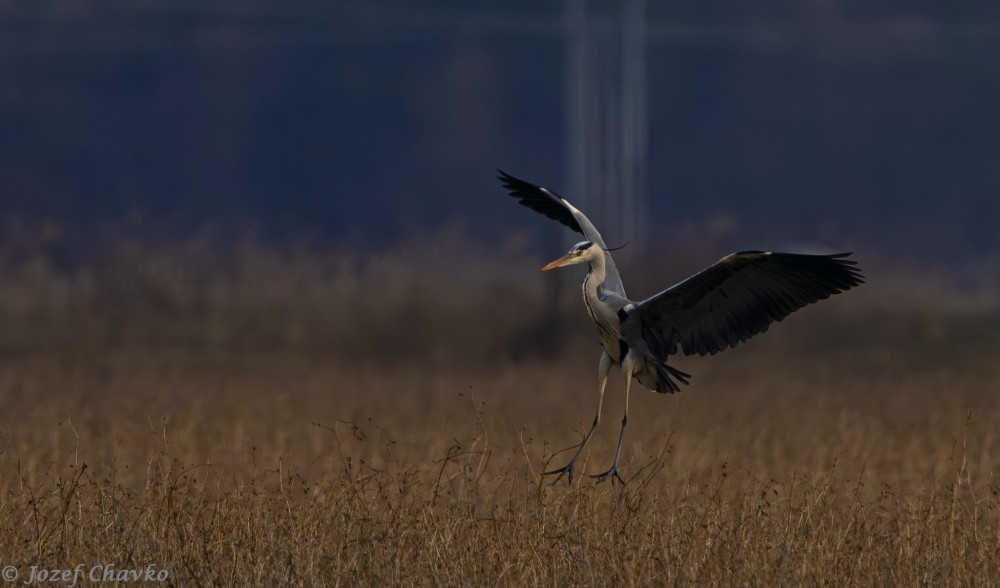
728, 302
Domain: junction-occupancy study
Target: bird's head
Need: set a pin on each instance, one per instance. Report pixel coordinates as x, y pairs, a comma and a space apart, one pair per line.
582, 252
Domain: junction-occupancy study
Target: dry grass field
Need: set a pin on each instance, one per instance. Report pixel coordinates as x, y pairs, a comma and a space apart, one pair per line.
241, 422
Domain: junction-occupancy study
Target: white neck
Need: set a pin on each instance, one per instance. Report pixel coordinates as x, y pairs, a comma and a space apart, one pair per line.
597, 271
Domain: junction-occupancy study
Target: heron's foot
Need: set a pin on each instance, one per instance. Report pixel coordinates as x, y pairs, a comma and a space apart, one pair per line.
611, 474
566, 470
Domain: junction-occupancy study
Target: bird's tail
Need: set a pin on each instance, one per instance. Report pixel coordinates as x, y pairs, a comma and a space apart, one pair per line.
657, 376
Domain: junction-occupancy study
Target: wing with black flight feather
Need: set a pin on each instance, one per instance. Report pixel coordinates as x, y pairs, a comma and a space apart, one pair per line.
738, 297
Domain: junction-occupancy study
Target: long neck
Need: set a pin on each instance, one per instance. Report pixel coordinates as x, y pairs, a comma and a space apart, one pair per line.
597, 271
592, 283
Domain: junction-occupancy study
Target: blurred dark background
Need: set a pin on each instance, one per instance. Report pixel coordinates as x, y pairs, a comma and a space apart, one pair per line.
869, 125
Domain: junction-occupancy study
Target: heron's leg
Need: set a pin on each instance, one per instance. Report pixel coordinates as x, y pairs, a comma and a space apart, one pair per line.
613, 471
602, 374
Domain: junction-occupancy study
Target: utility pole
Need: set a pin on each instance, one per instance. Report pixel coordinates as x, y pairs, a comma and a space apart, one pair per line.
607, 141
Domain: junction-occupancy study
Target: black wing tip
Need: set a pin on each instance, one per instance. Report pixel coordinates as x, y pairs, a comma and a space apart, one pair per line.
540, 199
515, 185
846, 274
522, 189
850, 266
839, 259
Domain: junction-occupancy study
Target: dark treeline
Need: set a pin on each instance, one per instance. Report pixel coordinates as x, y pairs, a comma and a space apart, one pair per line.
865, 122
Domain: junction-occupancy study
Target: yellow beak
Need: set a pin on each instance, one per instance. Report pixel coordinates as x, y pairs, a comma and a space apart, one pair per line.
564, 260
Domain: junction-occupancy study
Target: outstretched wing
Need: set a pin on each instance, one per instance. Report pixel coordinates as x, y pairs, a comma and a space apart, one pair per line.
547, 202
737, 298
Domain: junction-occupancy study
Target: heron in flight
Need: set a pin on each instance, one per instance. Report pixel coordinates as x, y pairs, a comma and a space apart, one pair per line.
718, 307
